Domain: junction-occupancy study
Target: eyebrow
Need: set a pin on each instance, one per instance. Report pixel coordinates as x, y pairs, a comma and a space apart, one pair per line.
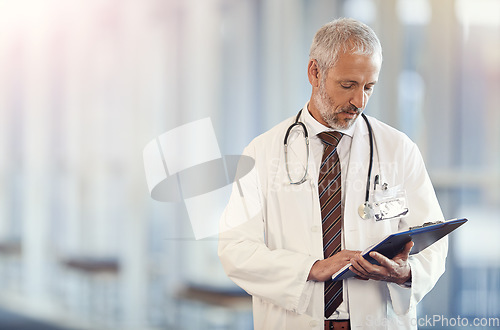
356, 82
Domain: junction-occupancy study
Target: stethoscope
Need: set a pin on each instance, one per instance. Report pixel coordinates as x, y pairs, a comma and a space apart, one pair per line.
365, 210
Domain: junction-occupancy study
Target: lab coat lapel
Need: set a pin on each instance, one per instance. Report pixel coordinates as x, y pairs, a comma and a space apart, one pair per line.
295, 208
355, 184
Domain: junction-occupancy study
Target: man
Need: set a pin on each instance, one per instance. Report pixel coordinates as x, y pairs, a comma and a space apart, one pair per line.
274, 240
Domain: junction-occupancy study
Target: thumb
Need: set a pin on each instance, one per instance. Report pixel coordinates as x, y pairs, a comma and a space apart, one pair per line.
407, 249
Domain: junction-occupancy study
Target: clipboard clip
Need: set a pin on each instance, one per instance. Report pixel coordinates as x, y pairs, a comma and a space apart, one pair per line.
426, 224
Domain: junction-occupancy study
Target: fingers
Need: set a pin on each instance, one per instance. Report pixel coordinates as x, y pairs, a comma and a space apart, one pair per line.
358, 268
391, 270
386, 262
360, 278
322, 270
349, 253
365, 269
359, 275
382, 260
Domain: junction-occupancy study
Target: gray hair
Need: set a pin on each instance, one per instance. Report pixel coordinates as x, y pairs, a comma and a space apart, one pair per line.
343, 35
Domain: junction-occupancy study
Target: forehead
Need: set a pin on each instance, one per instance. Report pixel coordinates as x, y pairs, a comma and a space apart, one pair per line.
361, 68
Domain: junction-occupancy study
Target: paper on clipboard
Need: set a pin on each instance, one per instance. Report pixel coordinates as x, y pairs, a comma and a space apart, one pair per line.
391, 245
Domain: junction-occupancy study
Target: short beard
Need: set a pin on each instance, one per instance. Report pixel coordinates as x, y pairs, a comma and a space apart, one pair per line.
328, 114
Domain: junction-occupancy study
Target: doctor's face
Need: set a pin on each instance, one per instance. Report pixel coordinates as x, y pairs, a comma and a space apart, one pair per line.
342, 94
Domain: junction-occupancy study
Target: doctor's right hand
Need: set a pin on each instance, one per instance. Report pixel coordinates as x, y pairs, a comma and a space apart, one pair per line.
322, 270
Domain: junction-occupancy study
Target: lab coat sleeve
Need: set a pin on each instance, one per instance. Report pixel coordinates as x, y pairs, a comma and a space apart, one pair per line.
428, 265
278, 276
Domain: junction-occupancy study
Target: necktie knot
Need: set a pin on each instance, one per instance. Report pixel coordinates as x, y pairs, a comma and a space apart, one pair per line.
330, 138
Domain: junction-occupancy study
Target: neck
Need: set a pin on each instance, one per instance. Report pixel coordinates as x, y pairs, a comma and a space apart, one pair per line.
313, 110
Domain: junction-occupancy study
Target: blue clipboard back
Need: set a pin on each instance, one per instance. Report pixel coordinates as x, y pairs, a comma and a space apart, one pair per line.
422, 237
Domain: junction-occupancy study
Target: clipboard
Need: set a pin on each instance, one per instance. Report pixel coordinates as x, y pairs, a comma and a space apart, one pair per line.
422, 236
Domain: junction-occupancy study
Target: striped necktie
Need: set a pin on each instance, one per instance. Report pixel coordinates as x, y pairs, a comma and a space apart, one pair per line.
330, 195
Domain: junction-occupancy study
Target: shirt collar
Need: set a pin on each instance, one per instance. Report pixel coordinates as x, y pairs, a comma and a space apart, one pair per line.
315, 127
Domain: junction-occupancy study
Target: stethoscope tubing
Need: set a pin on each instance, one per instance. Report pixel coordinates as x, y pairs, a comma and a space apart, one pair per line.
285, 142
370, 166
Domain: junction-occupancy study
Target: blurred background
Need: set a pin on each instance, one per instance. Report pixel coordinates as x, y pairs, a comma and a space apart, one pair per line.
85, 85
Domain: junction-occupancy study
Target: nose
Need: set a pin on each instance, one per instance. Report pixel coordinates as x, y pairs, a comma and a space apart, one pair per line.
359, 99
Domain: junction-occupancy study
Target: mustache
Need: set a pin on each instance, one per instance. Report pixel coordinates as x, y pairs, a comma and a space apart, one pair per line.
352, 108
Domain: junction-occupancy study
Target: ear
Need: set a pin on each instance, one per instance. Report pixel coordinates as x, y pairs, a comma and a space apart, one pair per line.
313, 73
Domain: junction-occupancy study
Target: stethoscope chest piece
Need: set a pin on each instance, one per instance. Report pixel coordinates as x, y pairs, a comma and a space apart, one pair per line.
366, 211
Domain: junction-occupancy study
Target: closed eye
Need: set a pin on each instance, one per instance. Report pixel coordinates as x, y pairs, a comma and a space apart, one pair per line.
369, 87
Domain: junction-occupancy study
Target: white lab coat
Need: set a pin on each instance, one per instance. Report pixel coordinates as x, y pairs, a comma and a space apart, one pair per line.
271, 232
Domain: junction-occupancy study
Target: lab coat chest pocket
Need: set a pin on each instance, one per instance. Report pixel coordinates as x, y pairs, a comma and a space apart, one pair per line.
380, 197
293, 219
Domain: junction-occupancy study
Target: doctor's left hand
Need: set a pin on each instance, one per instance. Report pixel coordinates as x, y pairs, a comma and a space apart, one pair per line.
395, 270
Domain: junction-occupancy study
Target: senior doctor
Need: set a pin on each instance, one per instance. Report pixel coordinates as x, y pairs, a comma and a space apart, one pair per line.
272, 237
